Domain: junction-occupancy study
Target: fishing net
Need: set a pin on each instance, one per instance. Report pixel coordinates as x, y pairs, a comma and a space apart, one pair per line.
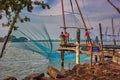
36, 36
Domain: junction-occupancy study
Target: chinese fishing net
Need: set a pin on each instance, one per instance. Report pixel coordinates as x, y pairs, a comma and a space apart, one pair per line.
36, 36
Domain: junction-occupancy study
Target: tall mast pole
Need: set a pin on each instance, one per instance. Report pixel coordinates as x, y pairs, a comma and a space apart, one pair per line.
81, 15
118, 10
63, 15
72, 6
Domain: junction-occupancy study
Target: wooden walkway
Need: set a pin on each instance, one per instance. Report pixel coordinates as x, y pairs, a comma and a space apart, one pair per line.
93, 45
105, 53
71, 47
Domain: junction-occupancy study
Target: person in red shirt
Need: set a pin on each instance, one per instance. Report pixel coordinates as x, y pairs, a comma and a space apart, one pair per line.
67, 36
87, 36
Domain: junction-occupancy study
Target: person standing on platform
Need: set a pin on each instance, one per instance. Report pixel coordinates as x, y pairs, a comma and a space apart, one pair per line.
87, 36
67, 36
62, 37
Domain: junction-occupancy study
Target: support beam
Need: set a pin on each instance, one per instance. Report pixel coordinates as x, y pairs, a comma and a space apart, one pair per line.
78, 46
101, 42
113, 33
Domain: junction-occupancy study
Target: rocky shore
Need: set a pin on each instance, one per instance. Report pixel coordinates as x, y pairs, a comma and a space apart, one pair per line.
99, 71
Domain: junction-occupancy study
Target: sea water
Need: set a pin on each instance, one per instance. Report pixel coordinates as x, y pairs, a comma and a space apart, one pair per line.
20, 62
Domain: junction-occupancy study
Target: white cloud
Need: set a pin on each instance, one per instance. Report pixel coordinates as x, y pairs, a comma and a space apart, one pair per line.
98, 11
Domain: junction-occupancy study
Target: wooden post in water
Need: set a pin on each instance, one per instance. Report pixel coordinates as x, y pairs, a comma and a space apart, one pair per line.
78, 46
91, 55
62, 60
113, 31
62, 44
101, 42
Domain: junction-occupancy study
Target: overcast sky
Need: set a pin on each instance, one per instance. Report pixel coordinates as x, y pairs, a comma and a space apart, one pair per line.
94, 12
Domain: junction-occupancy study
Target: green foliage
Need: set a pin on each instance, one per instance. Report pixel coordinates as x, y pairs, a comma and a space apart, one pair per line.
11, 8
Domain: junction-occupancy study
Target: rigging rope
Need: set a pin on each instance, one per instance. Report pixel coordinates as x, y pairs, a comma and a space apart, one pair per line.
86, 13
81, 14
73, 13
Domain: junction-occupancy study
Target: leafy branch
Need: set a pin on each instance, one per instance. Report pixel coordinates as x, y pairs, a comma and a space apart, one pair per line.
12, 9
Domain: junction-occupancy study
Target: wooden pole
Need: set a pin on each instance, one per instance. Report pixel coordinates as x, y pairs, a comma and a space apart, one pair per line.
118, 10
62, 44
101, 41
81, 14
72, 6
91, 55
118, 34
62, 60
78, 46
113, 32
63, 16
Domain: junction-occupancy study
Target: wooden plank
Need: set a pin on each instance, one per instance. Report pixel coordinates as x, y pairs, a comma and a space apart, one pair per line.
66, 49
81, 45
112, 46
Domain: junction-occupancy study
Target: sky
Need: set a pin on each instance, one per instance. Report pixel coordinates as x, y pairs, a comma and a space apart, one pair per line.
94, 12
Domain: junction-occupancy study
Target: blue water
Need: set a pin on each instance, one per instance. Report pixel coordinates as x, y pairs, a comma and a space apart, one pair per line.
50, 54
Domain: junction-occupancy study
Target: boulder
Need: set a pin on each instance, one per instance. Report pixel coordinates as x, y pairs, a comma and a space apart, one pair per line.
35, 76
80, 69
54, 73
10, 78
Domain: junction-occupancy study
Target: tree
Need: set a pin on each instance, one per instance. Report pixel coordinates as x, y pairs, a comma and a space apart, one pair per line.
12, 9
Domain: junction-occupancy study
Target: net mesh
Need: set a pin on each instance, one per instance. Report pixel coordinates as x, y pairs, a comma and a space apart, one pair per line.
37, 37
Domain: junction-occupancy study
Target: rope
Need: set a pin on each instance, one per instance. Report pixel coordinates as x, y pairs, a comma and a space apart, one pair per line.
86, 12
73, 13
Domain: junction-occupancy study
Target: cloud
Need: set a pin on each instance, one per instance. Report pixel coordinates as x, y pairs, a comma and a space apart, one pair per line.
94, 12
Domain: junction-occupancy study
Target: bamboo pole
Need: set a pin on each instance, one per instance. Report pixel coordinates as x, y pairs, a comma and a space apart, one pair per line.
62, 44
118, 10
63, 16
78, 46
101, 41
113, 32
62, 60
81, 14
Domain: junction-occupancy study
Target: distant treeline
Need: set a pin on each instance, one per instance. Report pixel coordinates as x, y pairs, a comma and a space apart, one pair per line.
13, 38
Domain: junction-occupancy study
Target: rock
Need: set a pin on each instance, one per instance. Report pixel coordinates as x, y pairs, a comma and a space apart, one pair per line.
72, 78
54, 73
10, 78
79, 69
35, 76
67, 72
47, 78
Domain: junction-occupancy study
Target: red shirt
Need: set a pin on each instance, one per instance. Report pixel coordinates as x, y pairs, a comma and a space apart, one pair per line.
67, 35
86, 33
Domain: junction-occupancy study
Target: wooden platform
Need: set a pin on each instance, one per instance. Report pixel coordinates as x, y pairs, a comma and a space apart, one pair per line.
112, 46
93, 45
105, 53
81, 45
